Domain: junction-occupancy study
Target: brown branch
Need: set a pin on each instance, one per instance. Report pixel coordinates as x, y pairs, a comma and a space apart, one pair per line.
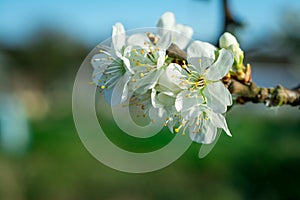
241, 85
269, 96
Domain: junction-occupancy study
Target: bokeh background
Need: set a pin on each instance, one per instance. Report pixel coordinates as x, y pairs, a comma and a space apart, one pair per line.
42, 44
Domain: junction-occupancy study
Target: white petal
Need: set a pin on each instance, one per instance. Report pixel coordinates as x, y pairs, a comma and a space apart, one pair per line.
126, 61
185, 101
206, 148
179, 102
166, 21
120, 91
219, 121
138, 40
118, 36
166, 84
221, 67
161, 112
165, 99
165, 40
173, 72
117, 93
127, 50
227, 39
207, 132
142, 85
161, 58
200, 63
196, 111
127, 64
100, 61
218, 97
126, 77
201, 49
182, 35
155, 116
155, 102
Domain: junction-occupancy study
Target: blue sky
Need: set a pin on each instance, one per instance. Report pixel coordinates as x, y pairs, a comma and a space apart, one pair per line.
91, 21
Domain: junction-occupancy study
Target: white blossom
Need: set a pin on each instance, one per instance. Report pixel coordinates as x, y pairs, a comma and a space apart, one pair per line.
202, 77
188, 94
111, 66
202, 124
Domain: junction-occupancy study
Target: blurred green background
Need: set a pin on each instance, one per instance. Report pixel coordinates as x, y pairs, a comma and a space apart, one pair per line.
42, 156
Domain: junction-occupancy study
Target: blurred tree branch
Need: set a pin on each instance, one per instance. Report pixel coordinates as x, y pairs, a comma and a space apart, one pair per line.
230, 22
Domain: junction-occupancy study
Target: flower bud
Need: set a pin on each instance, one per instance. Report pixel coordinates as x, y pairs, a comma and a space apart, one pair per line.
227, 39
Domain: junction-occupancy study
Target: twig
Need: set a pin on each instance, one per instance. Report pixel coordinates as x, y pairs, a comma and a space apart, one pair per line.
269, 96
248, 91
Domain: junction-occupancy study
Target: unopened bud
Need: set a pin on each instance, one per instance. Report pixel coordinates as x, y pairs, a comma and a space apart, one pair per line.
227, 39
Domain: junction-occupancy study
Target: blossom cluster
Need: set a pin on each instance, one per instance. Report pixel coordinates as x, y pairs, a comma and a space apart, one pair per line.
187, 93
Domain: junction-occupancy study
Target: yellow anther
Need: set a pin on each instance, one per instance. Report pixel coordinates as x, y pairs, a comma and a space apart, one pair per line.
157, 48
199, 60
134, 50
100, 51
183, 133
142, 75
133, 80
143, 51
184, 65
206, 118
182, 124
137, 63
187, 95
102, 87
165, 124
108, 58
